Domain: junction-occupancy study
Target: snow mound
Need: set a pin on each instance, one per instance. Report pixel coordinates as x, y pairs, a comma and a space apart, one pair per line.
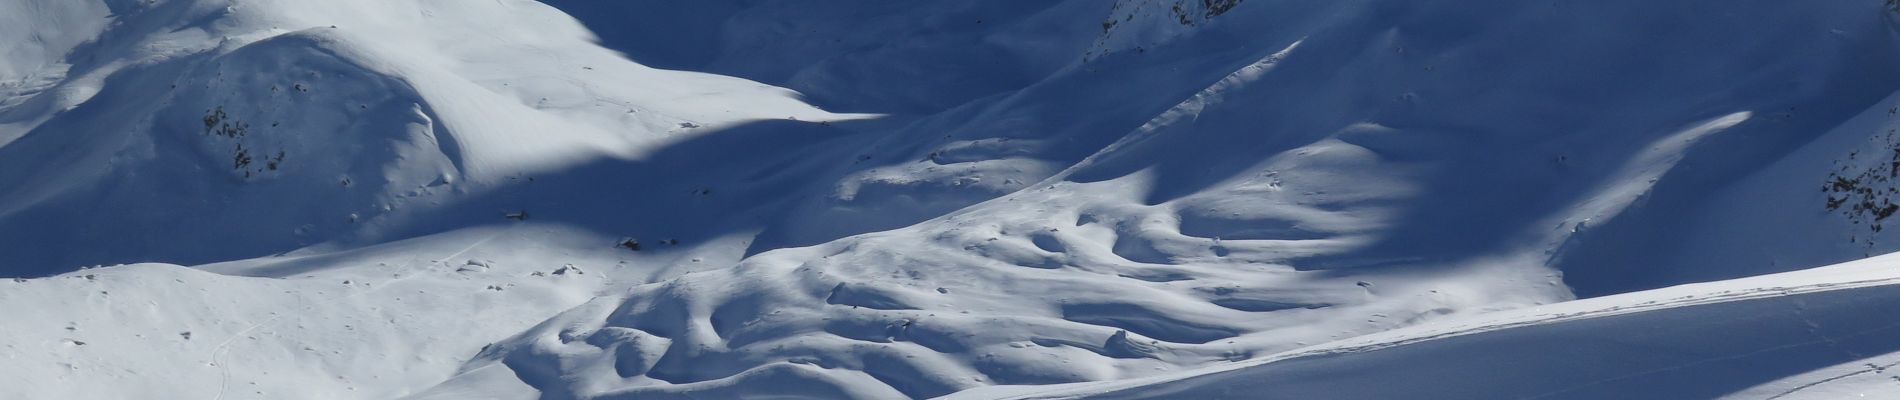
290, 105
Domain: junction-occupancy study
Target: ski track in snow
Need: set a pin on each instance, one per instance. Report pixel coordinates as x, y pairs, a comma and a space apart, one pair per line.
1871, 368
1828, 340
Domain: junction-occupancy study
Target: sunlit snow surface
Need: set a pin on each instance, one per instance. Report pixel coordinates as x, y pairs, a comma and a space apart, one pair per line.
978, 199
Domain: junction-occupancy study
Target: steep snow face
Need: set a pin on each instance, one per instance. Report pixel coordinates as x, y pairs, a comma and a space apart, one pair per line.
1044, 193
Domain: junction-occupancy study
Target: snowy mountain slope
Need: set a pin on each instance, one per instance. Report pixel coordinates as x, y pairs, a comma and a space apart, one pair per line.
167, 331
901, 58
260, 104
1032, 192
1143, 257
1761, 222
1818, 334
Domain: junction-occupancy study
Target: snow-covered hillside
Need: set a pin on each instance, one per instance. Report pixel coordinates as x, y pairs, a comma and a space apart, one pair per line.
1825, 333
865, 199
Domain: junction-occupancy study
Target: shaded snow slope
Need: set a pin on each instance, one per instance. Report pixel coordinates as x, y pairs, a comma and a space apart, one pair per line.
874, 200
868, 56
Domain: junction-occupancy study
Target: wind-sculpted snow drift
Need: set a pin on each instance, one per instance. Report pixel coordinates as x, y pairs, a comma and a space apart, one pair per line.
592, 199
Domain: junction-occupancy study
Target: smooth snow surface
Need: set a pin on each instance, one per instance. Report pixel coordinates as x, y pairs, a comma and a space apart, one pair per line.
564, 199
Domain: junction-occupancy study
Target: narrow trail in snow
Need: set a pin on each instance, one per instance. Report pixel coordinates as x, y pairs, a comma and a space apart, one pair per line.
1706, 361
1873, 368
218, 353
